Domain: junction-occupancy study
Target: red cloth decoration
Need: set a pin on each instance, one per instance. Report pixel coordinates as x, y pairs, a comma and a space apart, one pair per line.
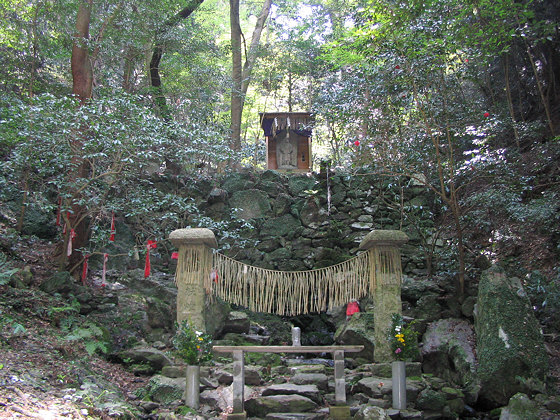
357, 143
70, 239
397, 67
58, 211
486, 114
66, 223
352, 308
175, 255
85, 270
214, 275
105, 259
147, 267
113, 230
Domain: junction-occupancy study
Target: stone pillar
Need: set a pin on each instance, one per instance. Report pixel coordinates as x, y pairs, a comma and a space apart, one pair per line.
385, 284
296, 336
339, 411
193, 272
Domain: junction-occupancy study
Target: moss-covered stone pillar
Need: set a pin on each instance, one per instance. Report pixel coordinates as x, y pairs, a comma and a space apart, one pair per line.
193, 272
385, 284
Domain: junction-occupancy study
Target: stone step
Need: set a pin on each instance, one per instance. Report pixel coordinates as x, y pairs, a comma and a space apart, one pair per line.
296, 416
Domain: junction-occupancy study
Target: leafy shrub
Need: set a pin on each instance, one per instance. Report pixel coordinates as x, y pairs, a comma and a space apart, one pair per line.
194, 347
92, 336
6, 271
403, 339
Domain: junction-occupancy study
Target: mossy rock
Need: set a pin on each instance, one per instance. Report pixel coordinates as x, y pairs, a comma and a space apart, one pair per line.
165, 390
237, 181
61, 282
286, 225
520, 407
510, 344
297, 184
252, 204
428, 399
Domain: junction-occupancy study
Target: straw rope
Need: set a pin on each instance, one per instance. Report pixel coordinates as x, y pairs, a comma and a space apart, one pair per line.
291, 292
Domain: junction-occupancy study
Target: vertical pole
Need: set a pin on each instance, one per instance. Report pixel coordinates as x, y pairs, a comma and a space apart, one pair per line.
193, 271
339, 383
296, 336
238, 382
385, 284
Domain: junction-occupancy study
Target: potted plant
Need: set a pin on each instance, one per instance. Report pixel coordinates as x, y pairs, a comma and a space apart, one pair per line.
404, 346
195, 348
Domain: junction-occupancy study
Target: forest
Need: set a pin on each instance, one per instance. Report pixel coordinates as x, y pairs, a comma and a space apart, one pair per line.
109, 109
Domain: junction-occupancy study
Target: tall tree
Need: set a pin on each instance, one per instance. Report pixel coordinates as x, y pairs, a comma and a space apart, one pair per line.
241, 72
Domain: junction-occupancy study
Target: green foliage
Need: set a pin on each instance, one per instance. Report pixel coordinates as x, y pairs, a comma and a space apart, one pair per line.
92, 337
15, 328
403, 338
194, 347
545, 296
6, 272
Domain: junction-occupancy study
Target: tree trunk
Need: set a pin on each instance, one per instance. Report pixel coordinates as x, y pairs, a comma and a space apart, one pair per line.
82, 72
82, 87
237, 76
241, 73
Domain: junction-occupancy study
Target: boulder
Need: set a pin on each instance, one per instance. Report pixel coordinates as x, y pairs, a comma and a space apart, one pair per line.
221, 398
236, 322
520, 407
251, 204
369, 412
261, 406
448, 351
380, 387
429, 399
61, 282
358, 331
510, 344
165, 390
155, 359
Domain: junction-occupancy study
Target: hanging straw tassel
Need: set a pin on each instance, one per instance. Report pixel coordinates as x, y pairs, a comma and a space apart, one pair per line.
282, 292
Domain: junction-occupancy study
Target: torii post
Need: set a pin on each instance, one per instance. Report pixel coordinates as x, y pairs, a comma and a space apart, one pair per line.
193, 272
385, 284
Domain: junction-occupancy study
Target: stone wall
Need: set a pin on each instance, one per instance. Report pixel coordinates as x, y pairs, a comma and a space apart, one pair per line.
293, 226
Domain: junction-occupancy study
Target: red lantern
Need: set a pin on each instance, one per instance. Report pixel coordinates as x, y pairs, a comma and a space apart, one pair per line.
357, 143
397, 67
486, 114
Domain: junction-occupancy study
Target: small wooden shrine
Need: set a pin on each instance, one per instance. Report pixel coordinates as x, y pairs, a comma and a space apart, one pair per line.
288, 140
